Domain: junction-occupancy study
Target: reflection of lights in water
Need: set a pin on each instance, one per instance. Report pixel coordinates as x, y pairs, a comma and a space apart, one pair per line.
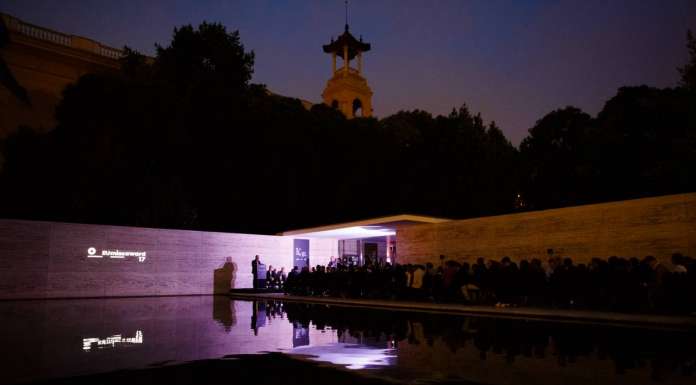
111, 341
352, 356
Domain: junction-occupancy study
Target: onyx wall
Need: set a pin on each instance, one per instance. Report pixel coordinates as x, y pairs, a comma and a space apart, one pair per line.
51, 260
652, 226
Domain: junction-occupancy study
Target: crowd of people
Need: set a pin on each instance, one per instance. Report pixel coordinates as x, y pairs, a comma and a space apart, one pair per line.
267, 278
617, 284
275, 278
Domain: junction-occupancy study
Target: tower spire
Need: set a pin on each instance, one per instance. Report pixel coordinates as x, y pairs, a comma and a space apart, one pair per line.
347, 90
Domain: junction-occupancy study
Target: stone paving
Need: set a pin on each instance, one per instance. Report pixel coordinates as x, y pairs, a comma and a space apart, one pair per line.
564, 315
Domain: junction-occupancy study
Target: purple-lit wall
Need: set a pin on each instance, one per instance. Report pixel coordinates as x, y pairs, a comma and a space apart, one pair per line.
50, 260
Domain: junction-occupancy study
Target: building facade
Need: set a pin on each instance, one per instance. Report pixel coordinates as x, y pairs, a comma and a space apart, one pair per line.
44, 62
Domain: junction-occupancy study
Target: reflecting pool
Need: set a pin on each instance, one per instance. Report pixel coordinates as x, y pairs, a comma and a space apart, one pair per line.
57, 339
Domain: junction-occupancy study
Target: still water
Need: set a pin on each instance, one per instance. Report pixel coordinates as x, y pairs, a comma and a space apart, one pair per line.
44, 340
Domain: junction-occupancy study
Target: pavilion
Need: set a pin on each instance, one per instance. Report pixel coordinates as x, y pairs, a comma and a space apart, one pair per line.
368, 240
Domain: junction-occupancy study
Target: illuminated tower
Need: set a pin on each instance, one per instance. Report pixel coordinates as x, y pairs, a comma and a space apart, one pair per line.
347, 89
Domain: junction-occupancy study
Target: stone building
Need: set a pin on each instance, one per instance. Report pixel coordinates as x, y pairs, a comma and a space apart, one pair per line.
43, 62
347, 90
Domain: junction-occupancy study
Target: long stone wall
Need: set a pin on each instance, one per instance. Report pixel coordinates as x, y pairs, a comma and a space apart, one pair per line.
51, 260
651, 226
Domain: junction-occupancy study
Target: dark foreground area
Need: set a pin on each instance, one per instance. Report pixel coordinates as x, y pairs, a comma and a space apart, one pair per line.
215, 340
271, 368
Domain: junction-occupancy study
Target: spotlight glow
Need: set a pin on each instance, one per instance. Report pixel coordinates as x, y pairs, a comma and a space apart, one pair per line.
349, 355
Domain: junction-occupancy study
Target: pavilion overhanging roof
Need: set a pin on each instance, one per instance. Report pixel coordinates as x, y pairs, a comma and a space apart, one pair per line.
367, 228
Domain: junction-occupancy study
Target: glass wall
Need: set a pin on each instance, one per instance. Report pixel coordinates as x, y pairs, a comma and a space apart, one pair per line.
363, 251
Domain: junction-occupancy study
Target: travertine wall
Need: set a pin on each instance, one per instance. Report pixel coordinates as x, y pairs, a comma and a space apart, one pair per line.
652, 226
49, 260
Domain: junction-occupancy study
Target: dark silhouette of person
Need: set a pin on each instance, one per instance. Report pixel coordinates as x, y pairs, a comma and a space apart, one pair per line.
254, 270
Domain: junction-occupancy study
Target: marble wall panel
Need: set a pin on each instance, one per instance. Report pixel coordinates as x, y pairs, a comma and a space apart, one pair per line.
24, 245
50, 260
23, 284
75, 284
321, 250
69, 247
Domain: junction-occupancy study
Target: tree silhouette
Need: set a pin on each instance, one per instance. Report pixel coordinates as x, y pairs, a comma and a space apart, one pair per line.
7, 79
554, 158
185, 140
688, 71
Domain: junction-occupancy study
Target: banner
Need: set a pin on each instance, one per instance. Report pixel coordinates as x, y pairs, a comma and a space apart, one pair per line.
301, 253
300, 335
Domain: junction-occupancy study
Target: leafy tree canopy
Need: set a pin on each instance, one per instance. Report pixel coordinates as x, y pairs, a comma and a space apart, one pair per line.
185, 140
688, 71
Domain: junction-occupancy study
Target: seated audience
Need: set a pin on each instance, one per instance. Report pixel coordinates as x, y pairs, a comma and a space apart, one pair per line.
615, 284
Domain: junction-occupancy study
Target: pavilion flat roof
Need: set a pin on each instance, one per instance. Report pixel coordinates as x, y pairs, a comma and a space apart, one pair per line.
366, 228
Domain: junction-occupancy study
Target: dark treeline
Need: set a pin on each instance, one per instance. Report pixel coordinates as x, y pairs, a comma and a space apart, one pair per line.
184, 140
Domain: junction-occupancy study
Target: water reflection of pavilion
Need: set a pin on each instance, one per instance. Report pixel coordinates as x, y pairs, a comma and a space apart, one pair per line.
42, 334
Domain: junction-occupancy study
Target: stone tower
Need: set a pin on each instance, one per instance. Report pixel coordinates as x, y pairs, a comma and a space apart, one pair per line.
347, 89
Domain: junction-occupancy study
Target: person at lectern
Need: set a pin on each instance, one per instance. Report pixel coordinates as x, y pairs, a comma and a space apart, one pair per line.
254, 271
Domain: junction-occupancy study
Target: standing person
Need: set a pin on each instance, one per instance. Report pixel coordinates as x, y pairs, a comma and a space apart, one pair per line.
678, 263
441, 268
254, 270
332, 263
283, 277
429, 280
416, 283
291, 282
655, 284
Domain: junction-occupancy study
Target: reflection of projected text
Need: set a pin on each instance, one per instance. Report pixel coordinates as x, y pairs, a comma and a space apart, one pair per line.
111, 342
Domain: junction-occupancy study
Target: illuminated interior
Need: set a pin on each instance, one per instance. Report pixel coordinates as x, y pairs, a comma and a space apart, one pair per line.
366, 241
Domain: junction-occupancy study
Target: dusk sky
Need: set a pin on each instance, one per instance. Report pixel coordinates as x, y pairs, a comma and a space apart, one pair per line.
513, 61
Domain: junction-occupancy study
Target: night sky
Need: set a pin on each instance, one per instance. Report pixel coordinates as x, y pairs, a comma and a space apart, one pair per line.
513, 61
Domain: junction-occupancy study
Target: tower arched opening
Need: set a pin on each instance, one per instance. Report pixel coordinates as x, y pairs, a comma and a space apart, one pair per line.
357, 108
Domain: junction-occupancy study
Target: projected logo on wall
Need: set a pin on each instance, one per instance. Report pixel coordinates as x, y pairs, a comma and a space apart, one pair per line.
116, 254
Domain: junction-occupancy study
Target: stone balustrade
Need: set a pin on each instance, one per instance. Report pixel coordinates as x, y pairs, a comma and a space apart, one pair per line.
20, 27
